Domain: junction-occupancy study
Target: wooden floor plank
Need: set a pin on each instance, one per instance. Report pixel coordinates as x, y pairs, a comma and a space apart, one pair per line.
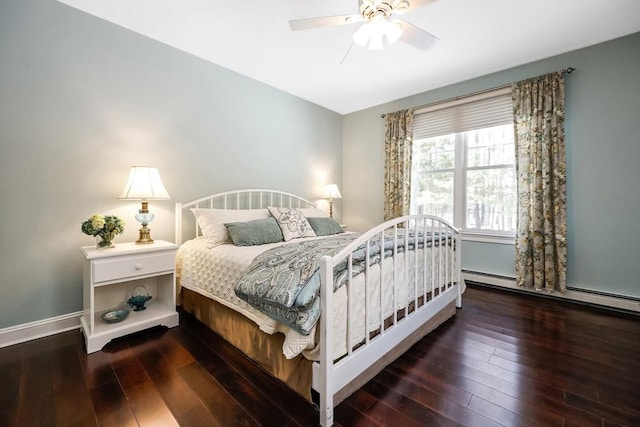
241, 390
401, 372
434, 373
184, 403
349, 416
36, 386
161, 367
125, 365
111, 406
72, 401
217, 400
11, 361
148, 406
440, 407
97, 369
392, 412
271, 388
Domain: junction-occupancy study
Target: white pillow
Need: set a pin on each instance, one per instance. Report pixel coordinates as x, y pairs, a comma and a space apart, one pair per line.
292, 223
314, 213
211, 221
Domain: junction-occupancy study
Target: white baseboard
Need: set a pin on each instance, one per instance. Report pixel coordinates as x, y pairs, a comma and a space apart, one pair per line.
606, 300
39, 329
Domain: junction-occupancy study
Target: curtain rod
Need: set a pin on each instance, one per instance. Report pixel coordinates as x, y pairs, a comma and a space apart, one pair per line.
568, 70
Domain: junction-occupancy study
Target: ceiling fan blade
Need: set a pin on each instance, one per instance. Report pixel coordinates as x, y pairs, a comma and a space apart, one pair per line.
347, 53
325, 21
417, 37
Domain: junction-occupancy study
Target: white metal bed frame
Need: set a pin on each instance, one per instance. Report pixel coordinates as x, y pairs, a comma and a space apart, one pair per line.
329, 376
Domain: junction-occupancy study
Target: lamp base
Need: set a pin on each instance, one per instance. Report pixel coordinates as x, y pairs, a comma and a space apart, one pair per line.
145, 236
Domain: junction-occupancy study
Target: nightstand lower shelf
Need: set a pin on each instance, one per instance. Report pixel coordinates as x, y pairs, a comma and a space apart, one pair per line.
156, 314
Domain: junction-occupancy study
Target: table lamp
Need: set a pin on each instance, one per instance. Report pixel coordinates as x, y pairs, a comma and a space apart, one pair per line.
144, 184
331, 192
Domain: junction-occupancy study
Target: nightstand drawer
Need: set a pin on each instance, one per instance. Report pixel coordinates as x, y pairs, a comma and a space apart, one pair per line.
121, 268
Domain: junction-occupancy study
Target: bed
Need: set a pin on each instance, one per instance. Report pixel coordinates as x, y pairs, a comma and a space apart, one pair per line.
369, 295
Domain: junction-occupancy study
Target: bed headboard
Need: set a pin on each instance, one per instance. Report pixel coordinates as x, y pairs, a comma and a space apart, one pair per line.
237, 199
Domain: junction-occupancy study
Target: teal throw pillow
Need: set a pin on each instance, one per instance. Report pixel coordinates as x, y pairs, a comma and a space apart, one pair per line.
324, 226
256, 232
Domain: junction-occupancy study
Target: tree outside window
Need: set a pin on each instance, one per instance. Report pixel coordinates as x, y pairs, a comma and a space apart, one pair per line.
467, 178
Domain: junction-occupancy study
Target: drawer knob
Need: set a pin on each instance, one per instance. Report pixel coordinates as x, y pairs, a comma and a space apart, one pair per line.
138, 266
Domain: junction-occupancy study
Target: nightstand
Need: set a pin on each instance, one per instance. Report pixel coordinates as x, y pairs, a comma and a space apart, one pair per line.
110, 276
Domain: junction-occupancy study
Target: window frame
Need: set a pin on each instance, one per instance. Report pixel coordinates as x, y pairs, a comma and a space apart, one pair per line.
460, 171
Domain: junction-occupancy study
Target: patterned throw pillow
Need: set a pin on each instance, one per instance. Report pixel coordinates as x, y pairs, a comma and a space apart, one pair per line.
292, 222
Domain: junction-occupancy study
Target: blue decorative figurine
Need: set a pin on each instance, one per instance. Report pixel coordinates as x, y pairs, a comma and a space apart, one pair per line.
138, 301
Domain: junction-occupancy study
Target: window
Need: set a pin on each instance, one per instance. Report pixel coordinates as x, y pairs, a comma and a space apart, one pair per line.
464, 164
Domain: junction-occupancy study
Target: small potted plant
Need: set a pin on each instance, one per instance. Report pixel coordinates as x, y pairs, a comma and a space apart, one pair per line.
104, 228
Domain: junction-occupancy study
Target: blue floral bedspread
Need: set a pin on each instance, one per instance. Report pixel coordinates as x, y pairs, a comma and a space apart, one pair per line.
284, 282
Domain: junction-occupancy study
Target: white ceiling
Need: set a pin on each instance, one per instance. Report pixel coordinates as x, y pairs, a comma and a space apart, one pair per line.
476, 37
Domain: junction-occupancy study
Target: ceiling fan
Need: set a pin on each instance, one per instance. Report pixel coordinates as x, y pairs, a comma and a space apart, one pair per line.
380, 24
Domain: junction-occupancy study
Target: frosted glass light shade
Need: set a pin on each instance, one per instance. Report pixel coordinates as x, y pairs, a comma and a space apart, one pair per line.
371, 33
144, 184
361, 37
393, 31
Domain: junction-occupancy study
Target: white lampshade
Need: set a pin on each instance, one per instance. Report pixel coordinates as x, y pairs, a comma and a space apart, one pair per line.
331, 192
144, 184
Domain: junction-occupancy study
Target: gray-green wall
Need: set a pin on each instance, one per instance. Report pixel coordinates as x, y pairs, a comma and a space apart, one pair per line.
82, 100
603, 156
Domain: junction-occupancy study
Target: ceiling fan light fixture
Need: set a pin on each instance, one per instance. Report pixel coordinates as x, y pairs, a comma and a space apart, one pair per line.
379, 24
375, 42
371, 33
393, 31
377, 29
362, 36
400, 7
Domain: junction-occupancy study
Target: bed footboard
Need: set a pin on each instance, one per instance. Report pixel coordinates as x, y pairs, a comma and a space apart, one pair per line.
411, 271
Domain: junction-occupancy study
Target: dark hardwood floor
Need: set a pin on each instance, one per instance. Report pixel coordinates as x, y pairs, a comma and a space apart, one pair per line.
504, 359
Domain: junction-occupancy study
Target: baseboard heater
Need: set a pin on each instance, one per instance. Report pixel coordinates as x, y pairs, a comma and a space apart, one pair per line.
621, 303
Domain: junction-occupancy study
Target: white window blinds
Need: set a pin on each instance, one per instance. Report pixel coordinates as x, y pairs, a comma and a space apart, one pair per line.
476, 112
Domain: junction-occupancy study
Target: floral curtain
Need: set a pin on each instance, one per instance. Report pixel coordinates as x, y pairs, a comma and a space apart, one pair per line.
398, 144
541, 243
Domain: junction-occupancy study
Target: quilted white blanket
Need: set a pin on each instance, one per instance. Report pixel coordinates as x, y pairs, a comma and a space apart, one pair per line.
213, 272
